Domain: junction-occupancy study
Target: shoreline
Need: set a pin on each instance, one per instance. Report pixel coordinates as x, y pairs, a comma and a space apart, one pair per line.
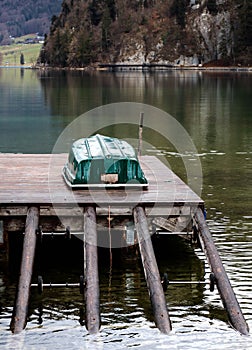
166, 67
119, 67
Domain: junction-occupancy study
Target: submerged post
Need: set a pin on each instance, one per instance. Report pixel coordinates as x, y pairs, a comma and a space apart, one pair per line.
223, 284
20, 310
151, 272
92, 294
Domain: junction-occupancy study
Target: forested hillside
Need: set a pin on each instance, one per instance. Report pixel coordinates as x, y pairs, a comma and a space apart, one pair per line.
181, 32
18, 18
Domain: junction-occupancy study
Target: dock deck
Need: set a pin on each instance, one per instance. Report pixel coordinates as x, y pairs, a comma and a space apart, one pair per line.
29, 179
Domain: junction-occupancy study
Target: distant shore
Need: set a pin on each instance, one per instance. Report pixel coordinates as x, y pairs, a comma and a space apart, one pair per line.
120, 67
18, 66
166, 67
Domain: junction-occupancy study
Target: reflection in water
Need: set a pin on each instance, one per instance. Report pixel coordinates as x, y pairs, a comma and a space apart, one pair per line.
215, 109
211, 106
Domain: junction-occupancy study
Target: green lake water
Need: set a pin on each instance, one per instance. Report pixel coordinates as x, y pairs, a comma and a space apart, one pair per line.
214, 108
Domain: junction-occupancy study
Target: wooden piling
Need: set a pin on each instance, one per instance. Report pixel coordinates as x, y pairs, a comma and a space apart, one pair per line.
20, 310
151, 272
92, 294
223, 284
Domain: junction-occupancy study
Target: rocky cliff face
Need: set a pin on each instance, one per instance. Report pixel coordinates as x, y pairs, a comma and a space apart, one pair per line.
205, 38
177, 32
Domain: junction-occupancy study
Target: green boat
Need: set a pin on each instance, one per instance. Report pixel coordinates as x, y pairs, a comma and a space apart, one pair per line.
102, 161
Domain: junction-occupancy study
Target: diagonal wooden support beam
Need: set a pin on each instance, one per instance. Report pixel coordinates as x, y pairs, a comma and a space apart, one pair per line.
222, 281
20, 310
151, 272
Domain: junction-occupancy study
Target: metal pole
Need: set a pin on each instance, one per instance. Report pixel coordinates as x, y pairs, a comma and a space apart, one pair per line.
223, 284
151, 272
92, 294
20, 310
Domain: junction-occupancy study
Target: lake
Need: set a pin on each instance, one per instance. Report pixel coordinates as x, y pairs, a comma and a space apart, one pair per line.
212, 109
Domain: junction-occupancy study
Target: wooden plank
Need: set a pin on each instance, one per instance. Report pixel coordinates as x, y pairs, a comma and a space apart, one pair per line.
53, 224
36, 179
64, 211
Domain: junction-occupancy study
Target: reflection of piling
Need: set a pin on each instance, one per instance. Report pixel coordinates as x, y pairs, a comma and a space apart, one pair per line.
92, 295
21, 306
151, 272
140, 134
220, 277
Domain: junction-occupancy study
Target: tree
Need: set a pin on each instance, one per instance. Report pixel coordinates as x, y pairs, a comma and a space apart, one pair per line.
106, 21
243, 31
81, 49
22, 61
212, 7
95, 12
30, 16
112, 9
223, 44
178, 9
245, 15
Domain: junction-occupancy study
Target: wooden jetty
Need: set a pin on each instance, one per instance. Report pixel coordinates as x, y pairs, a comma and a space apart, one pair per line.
34, 199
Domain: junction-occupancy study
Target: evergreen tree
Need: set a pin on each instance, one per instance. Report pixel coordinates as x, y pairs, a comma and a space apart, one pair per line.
178, 9
246, 22
112, 9
243, 30
106, 21
22, 61
95, 12
80, 49
212, 7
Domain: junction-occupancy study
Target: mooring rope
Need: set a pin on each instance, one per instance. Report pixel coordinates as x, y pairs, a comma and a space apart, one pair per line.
110, 239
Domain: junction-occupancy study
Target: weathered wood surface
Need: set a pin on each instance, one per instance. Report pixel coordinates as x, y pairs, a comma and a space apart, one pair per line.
54, 224
151, 272
223, 284
77, 212
21, 304
36, 179
92, 292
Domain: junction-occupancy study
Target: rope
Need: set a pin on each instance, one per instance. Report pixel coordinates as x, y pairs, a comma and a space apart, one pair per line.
110, 240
